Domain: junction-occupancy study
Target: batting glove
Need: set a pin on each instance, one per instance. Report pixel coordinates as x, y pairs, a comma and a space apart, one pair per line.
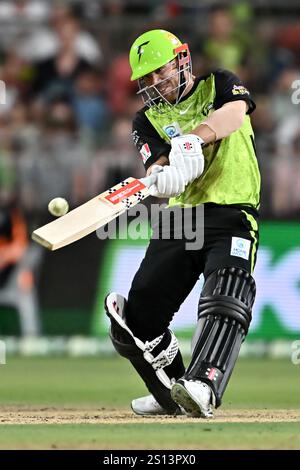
187, 155
170, 181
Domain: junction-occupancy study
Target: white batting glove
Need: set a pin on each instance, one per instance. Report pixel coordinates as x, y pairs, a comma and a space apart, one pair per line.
187, 155
170, 181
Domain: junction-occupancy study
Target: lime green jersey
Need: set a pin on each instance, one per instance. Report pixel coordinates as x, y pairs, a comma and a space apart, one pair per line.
231, 174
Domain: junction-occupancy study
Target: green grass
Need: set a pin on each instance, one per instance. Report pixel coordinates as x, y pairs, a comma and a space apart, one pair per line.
152, 436
68, 382
111, 383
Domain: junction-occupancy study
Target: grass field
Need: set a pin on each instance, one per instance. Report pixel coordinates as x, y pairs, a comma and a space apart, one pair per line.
83, 403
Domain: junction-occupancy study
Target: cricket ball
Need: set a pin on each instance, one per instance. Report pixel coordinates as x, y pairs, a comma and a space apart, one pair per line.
58, 206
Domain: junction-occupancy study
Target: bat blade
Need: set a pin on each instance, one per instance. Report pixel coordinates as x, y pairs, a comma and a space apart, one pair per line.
92, 215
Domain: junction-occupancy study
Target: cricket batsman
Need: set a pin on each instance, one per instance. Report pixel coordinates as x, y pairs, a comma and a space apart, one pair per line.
195, 135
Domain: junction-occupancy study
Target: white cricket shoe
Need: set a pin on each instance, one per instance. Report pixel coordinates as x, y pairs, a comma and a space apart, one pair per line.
148, 406
194, 396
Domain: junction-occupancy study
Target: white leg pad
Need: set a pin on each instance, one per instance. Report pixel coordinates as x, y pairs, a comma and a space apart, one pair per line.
116, 305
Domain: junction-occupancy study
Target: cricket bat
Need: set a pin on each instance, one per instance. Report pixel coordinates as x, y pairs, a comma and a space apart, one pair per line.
95, 213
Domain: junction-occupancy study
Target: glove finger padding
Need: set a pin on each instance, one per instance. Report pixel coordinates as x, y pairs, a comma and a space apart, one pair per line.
170, 182
181, 181
175, 181
156, 169
191, 166
153, 188
177, 160
197, 165
186, 155
154, 191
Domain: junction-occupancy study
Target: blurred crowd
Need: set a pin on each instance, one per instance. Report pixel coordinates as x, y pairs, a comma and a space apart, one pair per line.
66, 107
65, 122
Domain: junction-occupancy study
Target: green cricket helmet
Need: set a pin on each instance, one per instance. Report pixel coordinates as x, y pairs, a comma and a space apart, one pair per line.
153, 50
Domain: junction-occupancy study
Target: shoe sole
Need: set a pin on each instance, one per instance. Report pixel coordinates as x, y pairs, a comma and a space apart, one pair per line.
147, 414
161, 413
182, 397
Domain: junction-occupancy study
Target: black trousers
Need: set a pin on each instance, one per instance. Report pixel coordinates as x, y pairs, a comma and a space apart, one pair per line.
169, 271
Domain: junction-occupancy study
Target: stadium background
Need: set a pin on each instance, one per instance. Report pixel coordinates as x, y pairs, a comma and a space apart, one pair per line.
65, 131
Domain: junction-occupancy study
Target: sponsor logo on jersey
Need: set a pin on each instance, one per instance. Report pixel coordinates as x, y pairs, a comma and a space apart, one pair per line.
184, 111
145, 152
172, 130
240, 247
135, 137
239, 90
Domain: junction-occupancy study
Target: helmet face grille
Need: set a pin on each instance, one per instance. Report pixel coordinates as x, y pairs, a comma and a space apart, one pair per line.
153, 95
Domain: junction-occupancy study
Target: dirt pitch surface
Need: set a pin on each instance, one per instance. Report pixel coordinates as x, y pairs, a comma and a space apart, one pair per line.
35, 415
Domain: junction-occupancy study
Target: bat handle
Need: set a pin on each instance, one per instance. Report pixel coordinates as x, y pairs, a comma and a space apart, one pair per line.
149, 180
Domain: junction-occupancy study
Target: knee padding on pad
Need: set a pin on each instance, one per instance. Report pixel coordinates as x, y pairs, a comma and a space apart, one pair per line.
224, 318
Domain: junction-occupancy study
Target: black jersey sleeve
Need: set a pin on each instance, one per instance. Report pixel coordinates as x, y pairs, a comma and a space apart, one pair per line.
230, 88
148, 142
